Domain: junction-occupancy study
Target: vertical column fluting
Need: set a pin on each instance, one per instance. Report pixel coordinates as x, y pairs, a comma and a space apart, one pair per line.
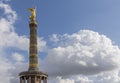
40, 80
35, 79
45, 80
29, 79
33, 53
24, 79
20, 79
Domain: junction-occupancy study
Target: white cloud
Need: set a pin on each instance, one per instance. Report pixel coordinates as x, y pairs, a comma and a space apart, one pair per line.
9, 14
107, 77
85, 52
41, 44
82, 79
54, 38
19, 67
61, 80
18, 57
5, 66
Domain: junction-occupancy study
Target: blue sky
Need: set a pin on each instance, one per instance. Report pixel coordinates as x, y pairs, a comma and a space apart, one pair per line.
69, 16
78, 40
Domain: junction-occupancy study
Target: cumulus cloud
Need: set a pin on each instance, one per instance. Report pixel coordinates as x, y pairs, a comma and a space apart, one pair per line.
61, 80
6, 65
104, 77
107, 77
72, 79
85, 52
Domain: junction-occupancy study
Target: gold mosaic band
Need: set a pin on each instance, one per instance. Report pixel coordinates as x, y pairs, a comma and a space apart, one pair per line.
33, 45
33, 65
33, 35
34, 55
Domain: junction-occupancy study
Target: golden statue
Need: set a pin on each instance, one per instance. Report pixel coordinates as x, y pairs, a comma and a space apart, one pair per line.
33, 13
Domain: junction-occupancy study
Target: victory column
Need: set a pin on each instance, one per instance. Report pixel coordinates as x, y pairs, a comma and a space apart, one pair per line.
33, 75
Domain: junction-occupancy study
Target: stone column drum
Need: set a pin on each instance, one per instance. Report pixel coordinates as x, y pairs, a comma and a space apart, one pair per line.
33, 53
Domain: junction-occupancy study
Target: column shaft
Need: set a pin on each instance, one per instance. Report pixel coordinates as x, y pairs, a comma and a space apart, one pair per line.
33, 51
20, 79
40, 80
29, 79
45, 80
35, 79
24, 79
